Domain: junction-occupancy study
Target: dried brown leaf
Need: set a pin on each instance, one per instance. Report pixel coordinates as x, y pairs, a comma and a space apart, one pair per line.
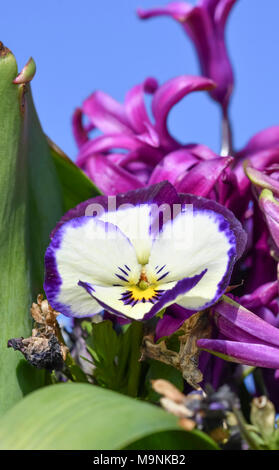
45, 348
166, 388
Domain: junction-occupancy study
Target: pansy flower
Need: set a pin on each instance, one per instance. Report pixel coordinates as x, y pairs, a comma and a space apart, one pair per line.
139, 252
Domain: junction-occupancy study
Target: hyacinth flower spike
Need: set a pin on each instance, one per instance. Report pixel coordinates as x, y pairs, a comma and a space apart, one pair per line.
245, 337
205, 24
137, 260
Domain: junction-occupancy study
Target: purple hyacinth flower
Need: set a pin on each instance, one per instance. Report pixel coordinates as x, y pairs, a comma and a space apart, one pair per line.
205, 25
264, 302
244, 337
262, 170
263, 140
257, 161
146, 152
139, 252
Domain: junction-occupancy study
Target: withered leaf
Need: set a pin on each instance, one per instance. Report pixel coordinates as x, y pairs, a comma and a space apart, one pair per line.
43, 353
187, 358
45, 349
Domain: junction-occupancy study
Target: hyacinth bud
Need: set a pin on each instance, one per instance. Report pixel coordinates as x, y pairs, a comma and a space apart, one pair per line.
270, 208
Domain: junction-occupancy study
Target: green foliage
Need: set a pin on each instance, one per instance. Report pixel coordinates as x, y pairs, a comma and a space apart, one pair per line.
29, 208
29, 378
159, 370
116, 356
73, 371
83, 416
175, 440
38, 184
76, 186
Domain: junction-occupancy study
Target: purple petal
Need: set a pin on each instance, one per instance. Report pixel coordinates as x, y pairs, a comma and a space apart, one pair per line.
80, 133
202, 178
270, 208
205, 25
258, 355
171, 321
261, 296
177, 10
171, 93
263, 267
264, 158
235, 226
233, 332
105, 143
263, 140
111, 178
200, 151
268, 315
219, 10
150, 136
247, 321
262, 180
135, 105
106, 114
174, 164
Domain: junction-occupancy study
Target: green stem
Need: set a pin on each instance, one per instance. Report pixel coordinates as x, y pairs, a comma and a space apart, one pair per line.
134, 363
259, 381
247, 372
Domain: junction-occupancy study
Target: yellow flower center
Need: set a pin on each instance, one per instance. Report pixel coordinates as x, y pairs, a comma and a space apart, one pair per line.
138, 293
144, 291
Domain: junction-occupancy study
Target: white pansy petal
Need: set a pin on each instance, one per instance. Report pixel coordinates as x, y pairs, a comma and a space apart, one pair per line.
196, 240
86, 248
135, 223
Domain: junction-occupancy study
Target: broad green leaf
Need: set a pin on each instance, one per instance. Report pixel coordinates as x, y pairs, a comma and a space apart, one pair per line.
83, 416
175, 440
29, 378
30, 206
76, 186
45, 205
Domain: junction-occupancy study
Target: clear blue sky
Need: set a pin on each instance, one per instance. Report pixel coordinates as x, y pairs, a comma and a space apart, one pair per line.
81, 46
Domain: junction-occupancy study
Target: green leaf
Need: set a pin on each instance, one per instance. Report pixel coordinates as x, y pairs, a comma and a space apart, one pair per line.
76, 186
30, 206
175, 440
159, 370
83, 416
29, 378
73, 371
116, 356
44, 192
14, 282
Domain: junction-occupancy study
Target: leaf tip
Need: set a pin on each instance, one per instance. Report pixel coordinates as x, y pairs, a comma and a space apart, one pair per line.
27, 73
4, 50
